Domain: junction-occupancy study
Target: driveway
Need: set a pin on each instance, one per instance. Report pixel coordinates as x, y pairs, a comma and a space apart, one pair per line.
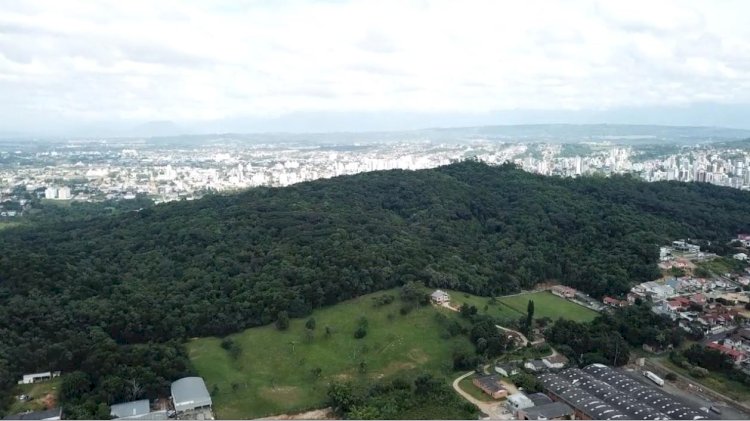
493, 410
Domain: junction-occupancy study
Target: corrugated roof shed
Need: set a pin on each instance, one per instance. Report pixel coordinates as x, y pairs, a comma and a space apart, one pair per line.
190, 393
130, 409
548, 411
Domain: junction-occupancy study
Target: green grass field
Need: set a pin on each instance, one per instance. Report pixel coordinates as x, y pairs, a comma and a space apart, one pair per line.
274, 372
546, 304
38, 393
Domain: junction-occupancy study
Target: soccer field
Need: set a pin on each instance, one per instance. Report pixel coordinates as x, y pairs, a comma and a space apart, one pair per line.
549, 305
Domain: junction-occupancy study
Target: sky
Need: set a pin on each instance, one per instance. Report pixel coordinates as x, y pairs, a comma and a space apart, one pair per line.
78, 66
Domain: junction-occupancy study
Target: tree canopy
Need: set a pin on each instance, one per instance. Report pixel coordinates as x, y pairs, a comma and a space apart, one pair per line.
224, 263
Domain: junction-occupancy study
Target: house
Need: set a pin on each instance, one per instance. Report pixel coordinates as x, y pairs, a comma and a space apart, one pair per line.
736, 355
38, 377
440, 297
698, 299
740, 256
563, 291
550, 411
506, 370
556, 361
535, 365
491, 385
49, 414
614, 302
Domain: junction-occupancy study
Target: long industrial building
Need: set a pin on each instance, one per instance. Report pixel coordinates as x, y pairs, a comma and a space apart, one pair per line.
603, 393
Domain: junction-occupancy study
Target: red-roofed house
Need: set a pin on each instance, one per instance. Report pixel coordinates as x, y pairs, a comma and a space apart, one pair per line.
678, 303
736, 355
699, 299
614, 302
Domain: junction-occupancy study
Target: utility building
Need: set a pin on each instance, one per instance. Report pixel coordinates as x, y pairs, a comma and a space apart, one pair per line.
190, 393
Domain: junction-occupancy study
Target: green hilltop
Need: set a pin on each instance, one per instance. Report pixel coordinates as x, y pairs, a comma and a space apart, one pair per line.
101, 292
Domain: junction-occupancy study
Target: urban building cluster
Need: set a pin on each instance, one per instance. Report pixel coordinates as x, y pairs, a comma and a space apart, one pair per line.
95, 171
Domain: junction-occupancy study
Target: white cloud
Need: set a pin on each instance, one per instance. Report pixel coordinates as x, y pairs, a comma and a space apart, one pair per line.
142, 60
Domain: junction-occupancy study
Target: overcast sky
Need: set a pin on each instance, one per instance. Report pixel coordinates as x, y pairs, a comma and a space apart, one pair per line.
74, 63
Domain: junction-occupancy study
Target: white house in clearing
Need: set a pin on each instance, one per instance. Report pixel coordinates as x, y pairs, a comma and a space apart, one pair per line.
440, 297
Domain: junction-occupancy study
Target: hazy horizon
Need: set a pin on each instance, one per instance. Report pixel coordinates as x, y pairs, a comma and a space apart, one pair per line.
107, 68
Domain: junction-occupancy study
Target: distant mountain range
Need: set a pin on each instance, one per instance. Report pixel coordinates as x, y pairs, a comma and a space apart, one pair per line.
167, 132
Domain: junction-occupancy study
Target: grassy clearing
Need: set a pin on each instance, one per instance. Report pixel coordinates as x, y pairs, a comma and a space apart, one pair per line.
273, 373
512, 307
722, 265
42, 394
467, 386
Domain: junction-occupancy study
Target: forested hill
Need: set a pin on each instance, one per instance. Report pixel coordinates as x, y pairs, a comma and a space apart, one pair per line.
224, 263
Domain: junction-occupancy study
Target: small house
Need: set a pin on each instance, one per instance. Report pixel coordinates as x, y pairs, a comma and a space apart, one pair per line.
491, 385
535, 366
556, 361
38, 377
506, 370
440, 297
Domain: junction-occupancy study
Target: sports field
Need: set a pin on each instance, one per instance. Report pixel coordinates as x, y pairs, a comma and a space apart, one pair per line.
546, 304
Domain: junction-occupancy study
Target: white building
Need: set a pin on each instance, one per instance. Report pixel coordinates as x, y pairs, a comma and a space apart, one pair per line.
38, 377
50, 193
63, 193
440, 297
740, 256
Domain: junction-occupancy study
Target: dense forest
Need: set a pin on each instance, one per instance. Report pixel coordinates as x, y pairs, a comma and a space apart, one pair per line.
224, 263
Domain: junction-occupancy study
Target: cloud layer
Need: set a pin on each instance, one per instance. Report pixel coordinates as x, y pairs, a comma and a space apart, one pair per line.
79, 61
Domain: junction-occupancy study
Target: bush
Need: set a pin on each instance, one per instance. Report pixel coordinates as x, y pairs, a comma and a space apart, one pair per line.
698, 372
282, 321
670, 376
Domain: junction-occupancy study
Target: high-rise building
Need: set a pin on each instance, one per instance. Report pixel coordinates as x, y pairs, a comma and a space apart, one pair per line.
63, 193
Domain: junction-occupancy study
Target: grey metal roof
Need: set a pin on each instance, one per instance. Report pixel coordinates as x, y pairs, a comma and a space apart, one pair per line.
491, 383
130, 409
648, 395
576, 397
539, 399
189, 393
608, 393
548, 411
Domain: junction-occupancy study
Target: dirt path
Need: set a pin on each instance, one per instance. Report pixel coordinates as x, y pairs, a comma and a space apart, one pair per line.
493, 410
316, 414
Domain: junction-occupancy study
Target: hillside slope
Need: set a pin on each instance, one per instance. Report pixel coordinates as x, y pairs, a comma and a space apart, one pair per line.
224, 263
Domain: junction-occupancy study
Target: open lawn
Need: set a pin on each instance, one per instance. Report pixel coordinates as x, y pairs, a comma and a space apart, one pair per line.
513, 307
43, 395
274, 370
